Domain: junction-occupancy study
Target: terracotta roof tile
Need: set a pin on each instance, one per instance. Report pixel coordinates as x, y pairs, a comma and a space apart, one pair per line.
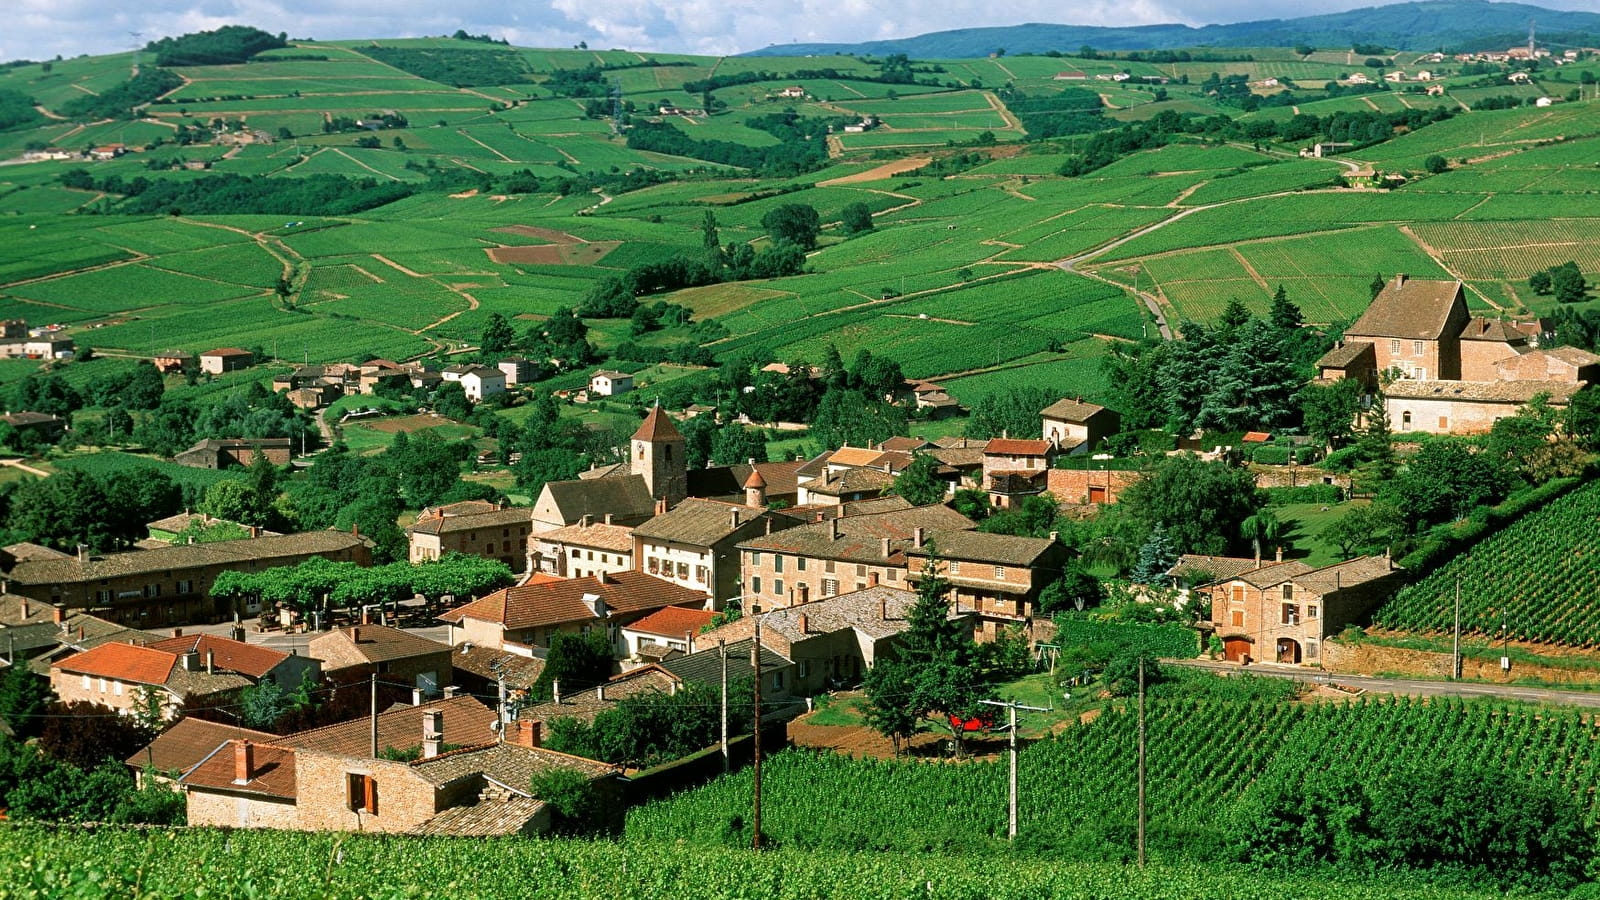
702, 523
860, 537
1071, 410
371, 643
465, 720
673, 622
554, 603
1414, 308
227, 655
181, 747
1016, 447
657, 427
486, 818
124, 662
1484, 391
600, 536
271, 770
498, 518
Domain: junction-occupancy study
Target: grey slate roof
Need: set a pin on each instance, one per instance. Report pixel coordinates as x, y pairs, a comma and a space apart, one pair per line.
624, 497
705, 667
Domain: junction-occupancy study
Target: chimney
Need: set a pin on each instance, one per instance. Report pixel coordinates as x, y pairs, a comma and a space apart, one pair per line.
191, 660
1055, 536
58, 614
24, 608
688, 640
176, 632
416, 696
661, 505
886, 548
450, 691
600, 692
255, 531
1400, 279
588, 520
883, 609
608, 522
211, 663
555, 690
80, 633
432, 732
530, 732
733, 518
872, 579
805, 622
244, 758
833, 528
917, 537
1280, 553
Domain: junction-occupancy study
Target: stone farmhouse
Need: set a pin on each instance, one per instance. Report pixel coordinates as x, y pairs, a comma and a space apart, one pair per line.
995, 577
529, 615
498, 534
1447, 371
1282, 611
170, 672
388, 652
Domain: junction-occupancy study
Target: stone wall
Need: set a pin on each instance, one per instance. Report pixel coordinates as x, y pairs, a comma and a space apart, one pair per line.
1373, 659
238, 811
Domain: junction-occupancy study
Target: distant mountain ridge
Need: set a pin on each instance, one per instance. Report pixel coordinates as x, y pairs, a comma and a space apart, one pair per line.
1424, 25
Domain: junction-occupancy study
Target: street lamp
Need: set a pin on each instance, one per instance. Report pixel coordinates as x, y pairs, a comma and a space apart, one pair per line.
1105, 467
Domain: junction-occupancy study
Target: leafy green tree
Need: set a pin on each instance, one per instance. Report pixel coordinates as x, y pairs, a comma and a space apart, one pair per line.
1200, 503
1076, 589
733, 445
1014, 412
498, 335
1539, 282
972, 503
918, 482
794, 223
887, 686
261, 705
849, 417
1328, 411
1376, 287
574, 662
1436, 164
1582, 417
1567, 282
1122, 674
1445, 480
857, 218
1035, 516
1261, 530
82, 735
699, 433
1234, 315
24, 697
579, 807
1365, 529
1284, 314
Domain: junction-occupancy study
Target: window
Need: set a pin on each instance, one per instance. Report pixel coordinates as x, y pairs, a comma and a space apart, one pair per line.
1311, 610
505, 532
152, 590
701, 574
955, 567
755, 558
800, 563
589, 555
1288, 592
86, 682
1444, 423
1311, 649
683, 570
1238, 618
578, 554
1416, 348
653, 564
777, 681
185, 587
894, 574
1238, 593
102, 685
1405, 420
1394, 348
804, 668
1291, 614
1419, 374
777, 586
999, 571
830, 587
361, 793
116, 688
102, 596
490, 548
861, 571
828, 567
755, 584
473, 537
777, 563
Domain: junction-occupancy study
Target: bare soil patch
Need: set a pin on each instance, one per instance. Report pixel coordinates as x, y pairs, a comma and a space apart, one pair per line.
887, 170
554, 254
859, 740
407, 423
543, 234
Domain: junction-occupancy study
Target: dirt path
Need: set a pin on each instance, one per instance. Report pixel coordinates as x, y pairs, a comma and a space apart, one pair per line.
859, 740
48, 114
503, 157
394, 265
363, 165
1245, 263
22, 466
472, 304
1184, 194
878, 173
1012, 122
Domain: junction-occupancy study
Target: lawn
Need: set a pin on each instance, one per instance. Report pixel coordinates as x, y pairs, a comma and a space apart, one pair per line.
1306, 522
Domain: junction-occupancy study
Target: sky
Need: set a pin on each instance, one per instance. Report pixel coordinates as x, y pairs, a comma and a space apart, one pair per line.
42, 29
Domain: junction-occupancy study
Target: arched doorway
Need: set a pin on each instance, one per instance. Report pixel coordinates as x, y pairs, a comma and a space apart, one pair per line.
1288, 650
1237, 649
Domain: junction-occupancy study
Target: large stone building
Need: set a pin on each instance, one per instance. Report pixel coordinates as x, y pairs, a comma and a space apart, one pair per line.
395, 655
1441, 370
996, 577
160, 677
1283, 611
695, 545
171, 585
499, 534
530, 614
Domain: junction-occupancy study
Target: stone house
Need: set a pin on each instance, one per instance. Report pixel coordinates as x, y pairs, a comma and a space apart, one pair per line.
847, 553
232, 453
1015, 469
517, 370
388, 652
1466, 407
184, 745
477, 382
529, 615
501, 534
582, 550
1282, 611
1071, 423
673, 629
1088, 486
695, 545
831, 642
624, 499
995, 577
226, 359
45, 428
170, 585
169, 673
1414, 326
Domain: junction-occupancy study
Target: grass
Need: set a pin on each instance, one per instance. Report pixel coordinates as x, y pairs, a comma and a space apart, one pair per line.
1305, 523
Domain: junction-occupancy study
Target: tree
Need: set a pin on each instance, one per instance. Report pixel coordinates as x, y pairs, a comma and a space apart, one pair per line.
857, 218
887, 685
578, 806
574, 662
85, 734
1328, 411
733, 444
848, 417
794, 223
1014, 412
1200, 503
1234, 315
1539, 282
1284, 314
1568, 283
917, 482
1376, 287
498, 335
1157, 555
1076, 589
1445, 480
24, 697
261, 705
1436, 164
1365, 529
1122, 674
1261, 529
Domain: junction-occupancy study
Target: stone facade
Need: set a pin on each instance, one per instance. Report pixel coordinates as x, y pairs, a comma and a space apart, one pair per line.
219, 809
777, 580
404, 798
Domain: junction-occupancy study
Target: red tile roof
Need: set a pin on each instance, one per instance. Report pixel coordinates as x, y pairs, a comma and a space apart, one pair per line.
227, 654
124, 662
554, 603
673, 622
1015, 447
657, 427
466, 721
188, 742
271, 770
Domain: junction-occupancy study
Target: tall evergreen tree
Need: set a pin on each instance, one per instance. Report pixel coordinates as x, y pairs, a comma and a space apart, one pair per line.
1157, 556
1284, 315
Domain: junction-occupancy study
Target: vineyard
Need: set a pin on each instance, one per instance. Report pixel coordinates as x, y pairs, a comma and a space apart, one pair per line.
1078, 795
183, 864
1539, 577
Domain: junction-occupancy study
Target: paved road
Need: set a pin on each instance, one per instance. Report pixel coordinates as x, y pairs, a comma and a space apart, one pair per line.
1413, 687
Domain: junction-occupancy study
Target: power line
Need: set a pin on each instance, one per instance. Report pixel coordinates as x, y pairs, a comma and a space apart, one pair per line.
1011, 707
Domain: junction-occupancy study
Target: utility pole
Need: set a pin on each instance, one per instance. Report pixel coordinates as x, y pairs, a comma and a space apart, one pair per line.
755, 663
1011, 707
722, 649
1141, 762
374, 715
